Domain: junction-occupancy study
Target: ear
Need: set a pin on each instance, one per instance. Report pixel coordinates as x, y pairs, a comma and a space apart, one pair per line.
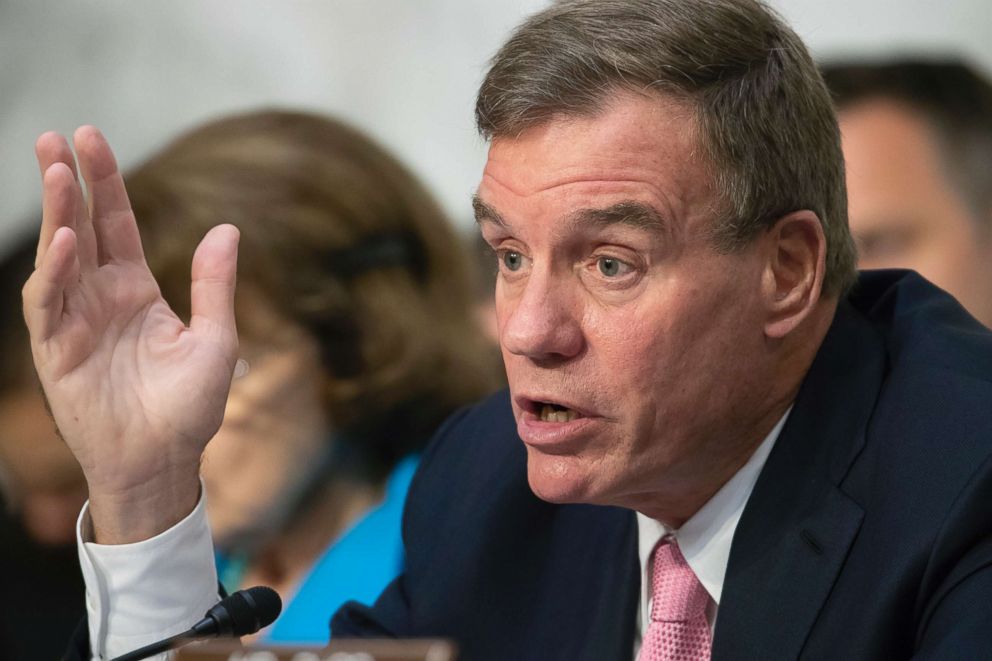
793, 272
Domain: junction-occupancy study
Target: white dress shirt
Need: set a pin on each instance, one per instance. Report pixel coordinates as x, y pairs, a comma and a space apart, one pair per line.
140, 593
705, 538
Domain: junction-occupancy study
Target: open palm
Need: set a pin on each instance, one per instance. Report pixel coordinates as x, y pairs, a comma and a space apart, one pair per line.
136, 393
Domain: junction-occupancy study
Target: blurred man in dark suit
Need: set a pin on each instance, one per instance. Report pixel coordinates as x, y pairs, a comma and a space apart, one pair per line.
917, 138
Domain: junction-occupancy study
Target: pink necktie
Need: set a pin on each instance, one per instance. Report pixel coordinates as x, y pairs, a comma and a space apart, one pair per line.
678, 630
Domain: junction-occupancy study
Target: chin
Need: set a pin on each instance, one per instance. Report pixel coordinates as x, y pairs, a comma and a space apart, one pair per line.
558, 479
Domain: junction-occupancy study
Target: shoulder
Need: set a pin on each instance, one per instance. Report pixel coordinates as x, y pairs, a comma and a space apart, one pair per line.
938, 376
472, 442
929, 438
934, 406
925, 329
474, 464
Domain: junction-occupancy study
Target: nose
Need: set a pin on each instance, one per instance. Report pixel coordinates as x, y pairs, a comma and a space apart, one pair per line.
542, 321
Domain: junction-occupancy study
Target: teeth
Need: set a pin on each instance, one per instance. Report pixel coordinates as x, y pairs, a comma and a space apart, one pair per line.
551, 413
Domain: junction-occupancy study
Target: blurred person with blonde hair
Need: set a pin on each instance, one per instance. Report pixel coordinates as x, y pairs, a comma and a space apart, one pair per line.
353, 312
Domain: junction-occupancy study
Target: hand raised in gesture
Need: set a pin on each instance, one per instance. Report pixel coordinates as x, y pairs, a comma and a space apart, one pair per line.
135, 392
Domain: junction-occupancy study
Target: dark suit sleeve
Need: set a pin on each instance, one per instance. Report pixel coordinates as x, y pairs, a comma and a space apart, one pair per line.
79, 644
961, 626
390, 616
957, 617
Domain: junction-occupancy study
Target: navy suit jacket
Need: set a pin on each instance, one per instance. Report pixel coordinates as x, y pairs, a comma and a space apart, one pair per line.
868, 534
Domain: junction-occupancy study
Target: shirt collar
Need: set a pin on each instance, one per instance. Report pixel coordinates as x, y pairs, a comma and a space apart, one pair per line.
706, 537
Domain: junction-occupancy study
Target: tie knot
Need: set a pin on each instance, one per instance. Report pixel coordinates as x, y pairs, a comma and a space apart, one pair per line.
677, 595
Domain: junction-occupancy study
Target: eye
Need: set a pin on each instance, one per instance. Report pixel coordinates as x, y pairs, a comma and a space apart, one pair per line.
883, 245
512, 260
887, 246
611, 267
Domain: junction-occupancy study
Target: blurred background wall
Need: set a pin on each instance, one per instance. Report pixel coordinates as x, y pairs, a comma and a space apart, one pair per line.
404, 70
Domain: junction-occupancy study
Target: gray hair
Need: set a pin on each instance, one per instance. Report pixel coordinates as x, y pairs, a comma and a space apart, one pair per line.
767, 123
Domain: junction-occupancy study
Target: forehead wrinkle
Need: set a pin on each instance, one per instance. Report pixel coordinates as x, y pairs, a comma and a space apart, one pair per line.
647, 211
576, 174
631, 213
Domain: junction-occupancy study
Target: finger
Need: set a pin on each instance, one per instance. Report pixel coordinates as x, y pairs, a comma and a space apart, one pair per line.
113, 223
58, 206
44, 292
214, 274
52, 148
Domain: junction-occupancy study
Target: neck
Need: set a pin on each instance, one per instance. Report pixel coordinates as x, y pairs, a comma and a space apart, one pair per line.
283, 562
686, 497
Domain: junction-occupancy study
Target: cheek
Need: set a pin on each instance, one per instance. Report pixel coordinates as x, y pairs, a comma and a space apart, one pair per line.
243, 456
29, 444
951, 257
220, 456
673, 356
502, 306
636, 348
244, 477
630, 361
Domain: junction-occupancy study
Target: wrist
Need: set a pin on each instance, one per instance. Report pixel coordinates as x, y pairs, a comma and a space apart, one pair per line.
142, 511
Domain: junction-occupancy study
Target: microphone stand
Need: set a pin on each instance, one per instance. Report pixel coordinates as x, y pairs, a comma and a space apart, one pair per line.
178, 640
239, 614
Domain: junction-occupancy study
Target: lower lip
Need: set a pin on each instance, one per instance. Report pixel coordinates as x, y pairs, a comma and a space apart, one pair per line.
555, 437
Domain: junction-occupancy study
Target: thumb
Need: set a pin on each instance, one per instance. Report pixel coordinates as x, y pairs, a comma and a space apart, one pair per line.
213, 278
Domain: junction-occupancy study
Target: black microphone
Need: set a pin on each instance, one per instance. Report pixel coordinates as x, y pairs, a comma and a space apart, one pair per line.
242, 613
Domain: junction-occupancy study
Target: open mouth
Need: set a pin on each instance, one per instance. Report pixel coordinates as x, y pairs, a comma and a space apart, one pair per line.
556, 413
548, 411
555, 427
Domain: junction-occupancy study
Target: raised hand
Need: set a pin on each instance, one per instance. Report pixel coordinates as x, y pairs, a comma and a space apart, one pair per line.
135, 392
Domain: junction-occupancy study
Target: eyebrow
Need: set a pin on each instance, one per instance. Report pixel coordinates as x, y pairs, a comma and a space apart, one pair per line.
628, 212
484, 212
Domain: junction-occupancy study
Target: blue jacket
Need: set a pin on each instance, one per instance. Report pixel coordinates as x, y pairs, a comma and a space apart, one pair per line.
357, 566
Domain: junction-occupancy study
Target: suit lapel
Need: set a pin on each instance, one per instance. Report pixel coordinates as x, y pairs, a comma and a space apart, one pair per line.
798, 525
603, 626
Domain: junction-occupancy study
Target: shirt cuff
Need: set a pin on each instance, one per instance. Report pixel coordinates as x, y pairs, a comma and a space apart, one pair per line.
137, 594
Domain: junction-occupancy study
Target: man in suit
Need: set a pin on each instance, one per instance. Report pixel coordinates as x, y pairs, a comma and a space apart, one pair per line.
808, 464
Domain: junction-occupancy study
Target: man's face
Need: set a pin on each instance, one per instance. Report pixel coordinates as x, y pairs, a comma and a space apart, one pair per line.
904, 210
630, 344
